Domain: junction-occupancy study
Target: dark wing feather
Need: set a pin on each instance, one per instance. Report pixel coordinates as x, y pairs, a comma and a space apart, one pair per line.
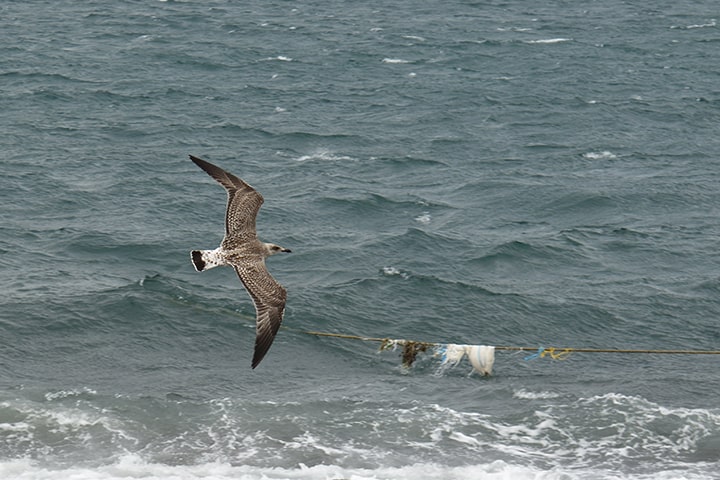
269, 299
243, 200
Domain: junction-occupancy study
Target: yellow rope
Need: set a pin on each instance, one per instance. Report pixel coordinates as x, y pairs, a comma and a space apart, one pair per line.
562, 355
611, 350
555, 353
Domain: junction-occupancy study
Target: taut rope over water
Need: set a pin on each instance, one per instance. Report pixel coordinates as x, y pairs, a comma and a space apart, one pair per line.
411, 348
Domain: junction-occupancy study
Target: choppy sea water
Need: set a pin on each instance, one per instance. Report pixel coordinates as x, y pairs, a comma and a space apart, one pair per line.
493, 173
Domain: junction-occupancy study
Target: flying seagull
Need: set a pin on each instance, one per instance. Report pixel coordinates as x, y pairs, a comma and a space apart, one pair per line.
241, 249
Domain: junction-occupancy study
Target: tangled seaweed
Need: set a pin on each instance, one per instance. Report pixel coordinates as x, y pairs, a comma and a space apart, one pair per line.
410, 349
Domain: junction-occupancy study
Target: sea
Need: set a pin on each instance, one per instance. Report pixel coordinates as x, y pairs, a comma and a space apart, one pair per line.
500, 173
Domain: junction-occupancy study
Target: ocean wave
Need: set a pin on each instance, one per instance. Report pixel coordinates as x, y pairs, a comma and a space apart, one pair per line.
281, 58
605, 434
709, 24
528, 395
131, 467
392, 271
603, 155
584, 203
516, 251
377, 209
425, 218
326, 156
290, 137
546, 41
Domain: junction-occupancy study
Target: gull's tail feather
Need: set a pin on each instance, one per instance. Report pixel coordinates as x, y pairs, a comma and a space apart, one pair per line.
206, 259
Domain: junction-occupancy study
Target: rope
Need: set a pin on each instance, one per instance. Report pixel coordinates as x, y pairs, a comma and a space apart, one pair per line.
557, 353
562, 351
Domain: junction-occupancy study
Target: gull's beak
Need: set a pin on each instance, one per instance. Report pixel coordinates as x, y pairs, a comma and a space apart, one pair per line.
286, 250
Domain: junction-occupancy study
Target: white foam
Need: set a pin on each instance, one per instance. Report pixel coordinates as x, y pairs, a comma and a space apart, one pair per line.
710, 24
527, 395
307, 440
550, 40
324, 155
50, 396
604, 155
425, 218
394, 60
132, 467
15, 427
414, 37
392, 271
462, 438
513, 29
281, 58
595, 437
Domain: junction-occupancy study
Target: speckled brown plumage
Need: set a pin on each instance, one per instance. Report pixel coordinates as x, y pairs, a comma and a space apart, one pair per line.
241, 249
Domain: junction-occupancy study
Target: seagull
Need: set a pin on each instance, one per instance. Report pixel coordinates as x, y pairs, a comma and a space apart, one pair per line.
242, 249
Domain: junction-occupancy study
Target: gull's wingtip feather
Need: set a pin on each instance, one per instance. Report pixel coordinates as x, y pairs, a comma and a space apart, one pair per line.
200, 162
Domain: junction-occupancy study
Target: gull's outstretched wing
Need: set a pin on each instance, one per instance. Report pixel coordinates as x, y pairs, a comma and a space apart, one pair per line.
269, 299
243, 200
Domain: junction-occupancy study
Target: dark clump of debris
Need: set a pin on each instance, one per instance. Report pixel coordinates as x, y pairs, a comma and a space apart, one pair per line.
410, 349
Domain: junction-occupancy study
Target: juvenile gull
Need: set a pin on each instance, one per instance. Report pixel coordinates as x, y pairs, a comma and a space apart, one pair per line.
241, 249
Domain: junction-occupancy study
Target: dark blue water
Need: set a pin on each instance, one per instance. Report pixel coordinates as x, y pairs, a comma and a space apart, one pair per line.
481, 173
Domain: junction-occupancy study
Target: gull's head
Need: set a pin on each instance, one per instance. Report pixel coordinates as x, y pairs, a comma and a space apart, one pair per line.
272, 249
